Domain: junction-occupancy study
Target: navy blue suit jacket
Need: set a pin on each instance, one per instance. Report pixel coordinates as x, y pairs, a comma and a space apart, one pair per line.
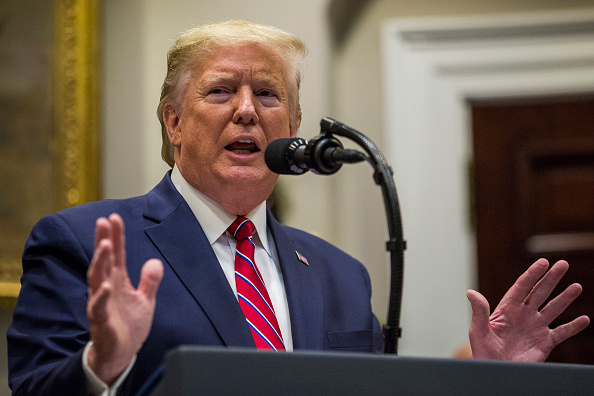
329, 299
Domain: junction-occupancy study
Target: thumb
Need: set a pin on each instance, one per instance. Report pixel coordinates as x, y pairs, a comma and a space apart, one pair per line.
479, 324
150, 278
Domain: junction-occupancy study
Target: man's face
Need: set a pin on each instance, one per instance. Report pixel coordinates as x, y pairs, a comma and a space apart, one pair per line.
236, 103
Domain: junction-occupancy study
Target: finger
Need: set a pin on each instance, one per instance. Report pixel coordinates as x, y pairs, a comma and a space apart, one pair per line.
100, 267
97, 304
559, 304
102, 230
522, 287
544, 287
118, 238
479, 325
96, 270
150, 278
567, 330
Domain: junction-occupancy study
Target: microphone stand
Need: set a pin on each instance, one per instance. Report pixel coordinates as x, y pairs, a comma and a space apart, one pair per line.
395, 244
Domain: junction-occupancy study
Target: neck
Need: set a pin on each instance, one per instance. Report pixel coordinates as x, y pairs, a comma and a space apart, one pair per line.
239, 202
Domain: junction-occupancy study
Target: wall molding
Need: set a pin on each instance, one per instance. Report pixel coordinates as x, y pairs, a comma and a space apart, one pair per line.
464, 30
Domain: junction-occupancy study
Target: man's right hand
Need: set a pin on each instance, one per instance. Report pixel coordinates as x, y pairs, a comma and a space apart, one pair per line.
120, 316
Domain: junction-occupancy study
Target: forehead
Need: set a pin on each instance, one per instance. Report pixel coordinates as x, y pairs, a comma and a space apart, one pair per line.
240, 60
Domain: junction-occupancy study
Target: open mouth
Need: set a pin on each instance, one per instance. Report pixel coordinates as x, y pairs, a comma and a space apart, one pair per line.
243, 147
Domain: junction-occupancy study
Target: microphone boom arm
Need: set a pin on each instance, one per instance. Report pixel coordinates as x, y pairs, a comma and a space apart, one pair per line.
396, 245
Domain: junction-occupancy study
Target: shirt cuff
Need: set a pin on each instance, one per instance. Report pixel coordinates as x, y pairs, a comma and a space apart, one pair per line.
95, 385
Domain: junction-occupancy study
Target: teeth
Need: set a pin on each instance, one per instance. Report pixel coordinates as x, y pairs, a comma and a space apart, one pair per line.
246, 141
241, 151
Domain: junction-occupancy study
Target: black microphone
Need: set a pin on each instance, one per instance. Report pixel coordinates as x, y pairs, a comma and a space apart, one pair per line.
322, 155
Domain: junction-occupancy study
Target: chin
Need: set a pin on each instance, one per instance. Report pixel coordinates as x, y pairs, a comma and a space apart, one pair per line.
250, 176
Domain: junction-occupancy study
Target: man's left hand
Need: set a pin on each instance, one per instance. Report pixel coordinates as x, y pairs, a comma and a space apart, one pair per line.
518, 330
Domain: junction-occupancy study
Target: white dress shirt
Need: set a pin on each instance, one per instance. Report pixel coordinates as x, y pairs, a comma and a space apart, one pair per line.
214, 221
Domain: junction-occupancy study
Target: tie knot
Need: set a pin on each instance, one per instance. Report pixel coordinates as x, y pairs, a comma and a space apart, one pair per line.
242, 228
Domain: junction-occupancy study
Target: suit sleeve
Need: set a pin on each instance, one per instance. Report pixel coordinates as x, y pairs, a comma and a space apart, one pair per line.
50, 328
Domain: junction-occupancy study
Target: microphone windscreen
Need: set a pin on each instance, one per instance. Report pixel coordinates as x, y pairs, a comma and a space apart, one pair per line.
278, 156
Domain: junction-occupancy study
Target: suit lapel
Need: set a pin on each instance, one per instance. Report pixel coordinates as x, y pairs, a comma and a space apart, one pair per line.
303, 290
185, 248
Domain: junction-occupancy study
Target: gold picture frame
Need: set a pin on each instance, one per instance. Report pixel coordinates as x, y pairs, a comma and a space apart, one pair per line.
74, 106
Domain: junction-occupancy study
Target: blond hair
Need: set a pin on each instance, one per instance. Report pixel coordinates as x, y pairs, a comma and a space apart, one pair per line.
195, 44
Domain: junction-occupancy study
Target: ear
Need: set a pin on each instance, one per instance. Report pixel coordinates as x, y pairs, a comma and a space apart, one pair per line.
172, 124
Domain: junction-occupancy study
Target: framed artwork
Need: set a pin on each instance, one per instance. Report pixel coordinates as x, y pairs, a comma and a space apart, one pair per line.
49, 112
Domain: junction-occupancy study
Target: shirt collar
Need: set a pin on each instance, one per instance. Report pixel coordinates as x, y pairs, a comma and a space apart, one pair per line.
212, 217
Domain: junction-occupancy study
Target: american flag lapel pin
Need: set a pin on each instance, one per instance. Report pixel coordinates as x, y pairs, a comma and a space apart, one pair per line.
301, 258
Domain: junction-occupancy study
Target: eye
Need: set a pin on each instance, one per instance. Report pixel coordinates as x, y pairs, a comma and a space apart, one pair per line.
267, 97
219, 95
217, 91
266, 93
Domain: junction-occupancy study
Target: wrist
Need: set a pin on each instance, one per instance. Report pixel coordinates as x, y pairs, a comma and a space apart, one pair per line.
105, 369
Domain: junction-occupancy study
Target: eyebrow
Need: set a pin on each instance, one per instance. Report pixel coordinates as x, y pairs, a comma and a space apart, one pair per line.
222, 77
225, 77
268, 78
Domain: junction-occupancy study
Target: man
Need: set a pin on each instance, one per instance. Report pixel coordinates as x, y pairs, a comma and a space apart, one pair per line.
231, 88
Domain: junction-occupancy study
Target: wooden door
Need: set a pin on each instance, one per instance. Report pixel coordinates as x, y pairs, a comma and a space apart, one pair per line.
534, 197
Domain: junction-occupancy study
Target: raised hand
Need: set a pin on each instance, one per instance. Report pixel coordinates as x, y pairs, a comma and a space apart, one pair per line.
517, 330
120, 316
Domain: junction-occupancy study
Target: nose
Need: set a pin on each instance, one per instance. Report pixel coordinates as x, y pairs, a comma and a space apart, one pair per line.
245, 113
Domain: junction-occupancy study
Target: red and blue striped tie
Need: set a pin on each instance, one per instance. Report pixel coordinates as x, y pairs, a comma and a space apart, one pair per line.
251, 291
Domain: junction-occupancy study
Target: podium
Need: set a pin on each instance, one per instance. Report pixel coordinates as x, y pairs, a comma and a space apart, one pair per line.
194, 370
